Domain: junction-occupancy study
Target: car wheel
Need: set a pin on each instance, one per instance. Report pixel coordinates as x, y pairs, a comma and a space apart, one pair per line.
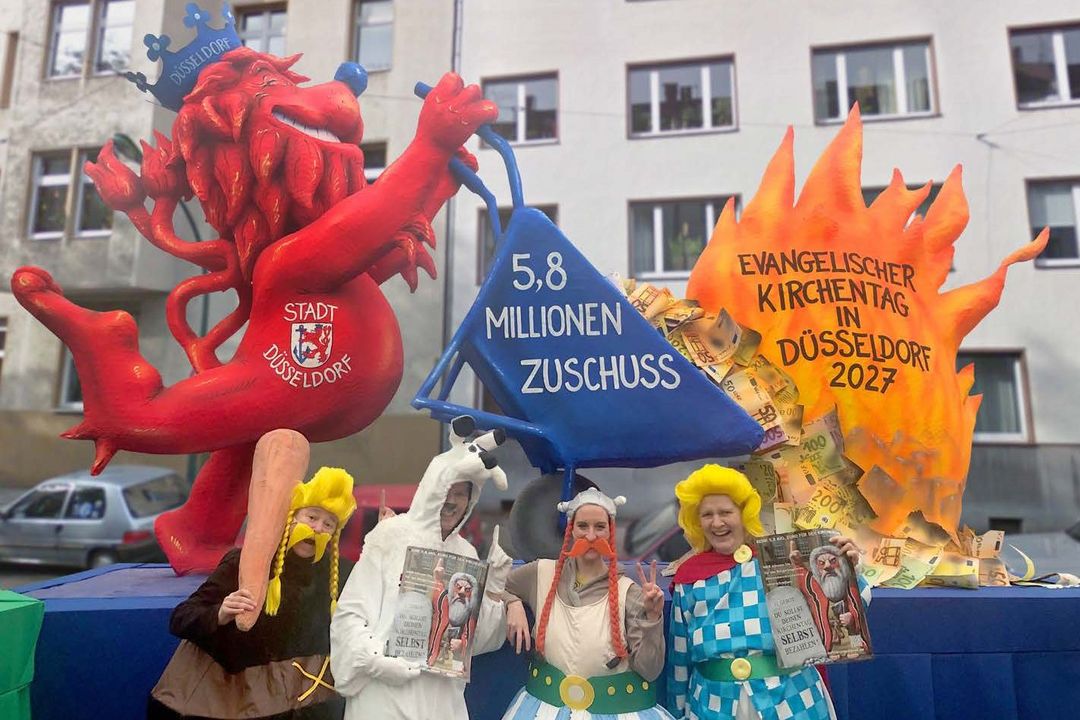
101, 558
534, 521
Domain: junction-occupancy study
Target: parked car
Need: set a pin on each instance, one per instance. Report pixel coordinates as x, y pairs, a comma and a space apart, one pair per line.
1050, 552
91, 521
656, 535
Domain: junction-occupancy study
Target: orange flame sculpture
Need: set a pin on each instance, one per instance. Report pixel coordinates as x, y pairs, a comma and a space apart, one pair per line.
848, 301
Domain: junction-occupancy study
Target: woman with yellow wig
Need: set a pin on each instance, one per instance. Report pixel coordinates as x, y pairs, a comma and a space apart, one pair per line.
280, 667
722, 661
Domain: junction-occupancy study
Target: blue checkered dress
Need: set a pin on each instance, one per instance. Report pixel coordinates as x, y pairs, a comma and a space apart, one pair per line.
725, 616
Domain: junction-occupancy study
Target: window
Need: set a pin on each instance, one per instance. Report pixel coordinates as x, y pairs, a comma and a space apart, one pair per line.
870, 194
116, 21
373, 34
87, 503
528, 108
374, 159
886, 80
156, 496
1046, 66
486, 246
666, 238
1054, 204
71, 396
42, 504
263, 30
682, 97
999, 378
56, 176
90, 36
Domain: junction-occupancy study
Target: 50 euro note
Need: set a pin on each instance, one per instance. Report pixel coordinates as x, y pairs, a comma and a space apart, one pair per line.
679, 314
755, 400
916, 562
651, 302
882, 562
778, 383
719, 343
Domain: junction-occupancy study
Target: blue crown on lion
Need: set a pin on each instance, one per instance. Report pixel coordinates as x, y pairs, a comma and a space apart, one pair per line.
180, 69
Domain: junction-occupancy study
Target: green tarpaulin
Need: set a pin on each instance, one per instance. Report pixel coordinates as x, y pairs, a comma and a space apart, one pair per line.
20, 622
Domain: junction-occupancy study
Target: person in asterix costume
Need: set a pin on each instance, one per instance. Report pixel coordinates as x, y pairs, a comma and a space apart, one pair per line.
826, 587
721, 649
377, 687
279, 668
599, 635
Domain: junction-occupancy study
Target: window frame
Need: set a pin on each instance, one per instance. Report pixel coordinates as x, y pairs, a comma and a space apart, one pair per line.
266, 11
712, 214
92, 42
899, 78
1026, 435
551, 210
99, 37
1061, 65
520, 126
67, 371
355, 36
706, 97
76, 183
1042, 263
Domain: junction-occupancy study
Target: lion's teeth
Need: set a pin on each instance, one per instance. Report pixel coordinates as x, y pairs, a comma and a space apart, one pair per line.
318, 133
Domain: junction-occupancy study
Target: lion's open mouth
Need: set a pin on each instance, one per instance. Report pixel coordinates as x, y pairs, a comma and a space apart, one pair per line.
318, 133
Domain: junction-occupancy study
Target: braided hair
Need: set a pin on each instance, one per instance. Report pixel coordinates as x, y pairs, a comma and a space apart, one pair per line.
273, 590
541, 628
335, 554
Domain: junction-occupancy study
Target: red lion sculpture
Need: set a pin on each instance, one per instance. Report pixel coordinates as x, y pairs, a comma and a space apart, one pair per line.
304, 243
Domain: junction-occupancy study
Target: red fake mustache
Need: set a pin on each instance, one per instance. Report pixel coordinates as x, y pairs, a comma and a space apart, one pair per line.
582, 546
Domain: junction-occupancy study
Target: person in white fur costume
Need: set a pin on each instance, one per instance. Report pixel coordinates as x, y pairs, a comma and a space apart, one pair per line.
377, 687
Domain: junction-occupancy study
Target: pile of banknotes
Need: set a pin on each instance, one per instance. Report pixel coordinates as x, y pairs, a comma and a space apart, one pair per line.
800, 470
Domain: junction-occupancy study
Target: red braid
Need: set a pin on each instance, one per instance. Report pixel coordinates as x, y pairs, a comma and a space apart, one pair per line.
613, 600
541, 627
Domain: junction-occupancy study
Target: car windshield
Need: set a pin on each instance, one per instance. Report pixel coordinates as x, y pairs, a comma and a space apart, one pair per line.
44, 503
156, 496
652, 527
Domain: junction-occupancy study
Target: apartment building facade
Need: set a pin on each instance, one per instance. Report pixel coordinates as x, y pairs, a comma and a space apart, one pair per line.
634, 121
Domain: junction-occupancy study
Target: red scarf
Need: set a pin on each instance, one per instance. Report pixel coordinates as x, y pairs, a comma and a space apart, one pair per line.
702, 566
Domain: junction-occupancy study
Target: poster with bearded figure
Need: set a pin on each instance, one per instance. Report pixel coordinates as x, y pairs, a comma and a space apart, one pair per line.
813, 597
435, 622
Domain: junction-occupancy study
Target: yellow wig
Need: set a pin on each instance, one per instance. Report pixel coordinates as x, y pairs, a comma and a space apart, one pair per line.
332, 490
716, 480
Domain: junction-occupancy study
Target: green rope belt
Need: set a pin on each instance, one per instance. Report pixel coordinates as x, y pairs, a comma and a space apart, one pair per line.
753, 667
605, 694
